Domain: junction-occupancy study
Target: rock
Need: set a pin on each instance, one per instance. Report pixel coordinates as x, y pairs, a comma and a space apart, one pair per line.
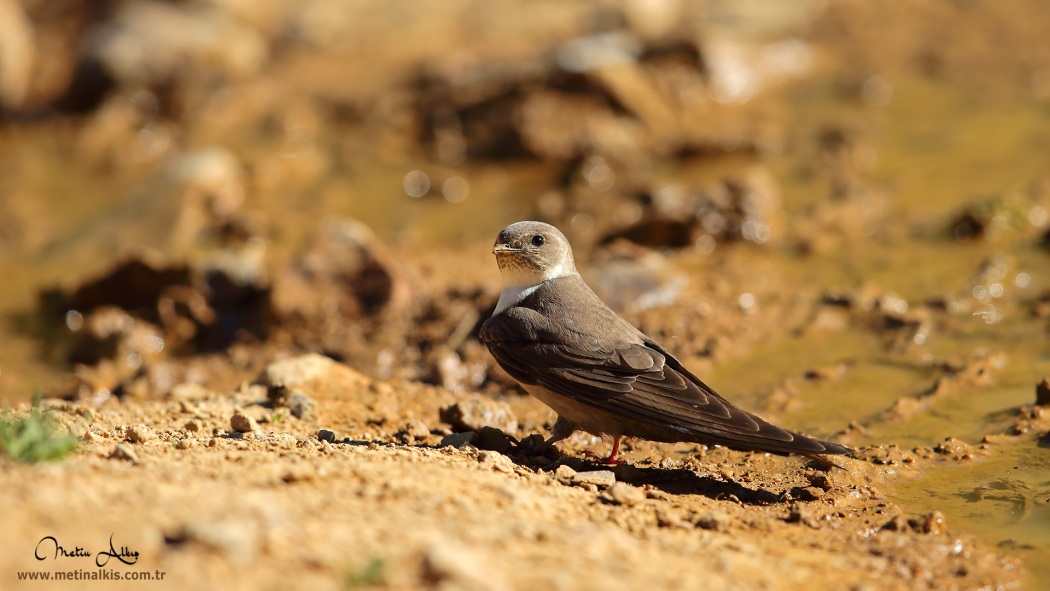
140, 434
564, 474
453, 374
326, 436
931, 523
495, 440
958, 450
671, 518
17, 54
189, 391
346, 274
149, 43
237, 539
415, 429
896, 523
818, 479
496, 461
242, 423
183, 444
711, 521
300, 405
826, 373
193, 426
1042, 392
449, 565
629, 277
804, 515
625, 494
810, 493
124, 452
308, 373
458, 440
599, 478
473, 414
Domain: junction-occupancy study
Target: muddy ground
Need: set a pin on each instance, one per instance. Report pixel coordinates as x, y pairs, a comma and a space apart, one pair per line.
247, 254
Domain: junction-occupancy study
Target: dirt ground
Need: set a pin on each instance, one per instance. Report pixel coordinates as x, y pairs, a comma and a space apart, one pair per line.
383, 502
247, 254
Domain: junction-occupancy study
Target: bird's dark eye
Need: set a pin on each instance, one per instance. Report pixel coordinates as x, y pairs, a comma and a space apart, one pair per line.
538, 240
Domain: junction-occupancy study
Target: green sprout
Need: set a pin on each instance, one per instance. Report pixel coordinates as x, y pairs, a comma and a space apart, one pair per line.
370, 574
32, 437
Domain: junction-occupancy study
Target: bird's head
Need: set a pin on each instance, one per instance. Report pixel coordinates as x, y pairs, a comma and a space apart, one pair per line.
529, 253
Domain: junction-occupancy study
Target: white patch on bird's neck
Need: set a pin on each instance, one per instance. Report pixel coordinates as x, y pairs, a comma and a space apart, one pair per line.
519, 283
510, 296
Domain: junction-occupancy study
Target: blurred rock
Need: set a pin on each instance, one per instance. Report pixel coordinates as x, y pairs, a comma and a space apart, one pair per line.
599, 478
148, 43
300, 405
493, 439
1042, 392
346, 274
309, 373
473, 414
17, 54
629, 277
612, 92
41, 42
448, 565
201, 308
931, 523
740, 208
458, 440
124, 452
625, 494
414, 430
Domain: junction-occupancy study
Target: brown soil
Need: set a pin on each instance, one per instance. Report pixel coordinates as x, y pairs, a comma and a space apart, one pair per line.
386, 504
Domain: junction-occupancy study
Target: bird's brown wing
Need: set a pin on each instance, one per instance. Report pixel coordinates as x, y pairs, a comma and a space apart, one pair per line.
637, 383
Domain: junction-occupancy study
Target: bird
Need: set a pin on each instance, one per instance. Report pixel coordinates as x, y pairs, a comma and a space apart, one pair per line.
600, 374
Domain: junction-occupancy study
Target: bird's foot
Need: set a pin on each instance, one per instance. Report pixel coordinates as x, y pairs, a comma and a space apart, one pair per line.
611, 459
608, 461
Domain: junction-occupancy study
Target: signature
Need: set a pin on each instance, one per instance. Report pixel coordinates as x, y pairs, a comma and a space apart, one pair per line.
48, 547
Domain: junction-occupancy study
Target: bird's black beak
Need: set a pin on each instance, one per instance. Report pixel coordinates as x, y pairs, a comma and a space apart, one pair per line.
504, 248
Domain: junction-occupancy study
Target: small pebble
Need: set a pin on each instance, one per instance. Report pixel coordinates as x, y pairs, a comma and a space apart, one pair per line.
493, 439
300, 405
564, 474
242, 423
804, 515
495, 461
415, 429
193, 426
185, 444
457, 440
811, 493
140, 434
326, 435
710, 521
599, 478
931, 523
818, 479
625, 494
124, 452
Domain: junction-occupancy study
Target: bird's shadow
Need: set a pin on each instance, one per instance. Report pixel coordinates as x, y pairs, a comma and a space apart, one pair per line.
674, 481
678, 481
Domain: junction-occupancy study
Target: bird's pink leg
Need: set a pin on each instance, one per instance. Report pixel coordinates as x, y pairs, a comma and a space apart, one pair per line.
611, 460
